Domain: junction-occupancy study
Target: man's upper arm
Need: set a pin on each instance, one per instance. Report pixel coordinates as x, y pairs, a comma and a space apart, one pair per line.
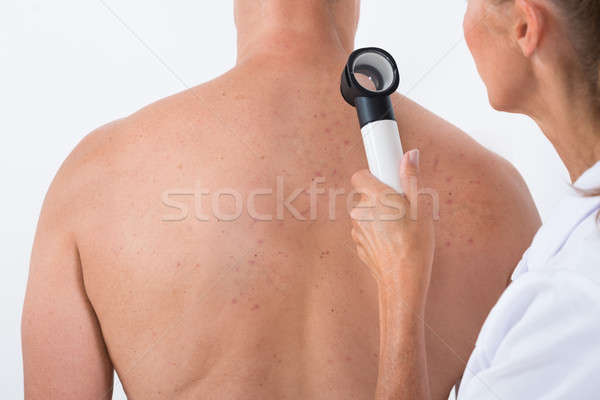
64, 354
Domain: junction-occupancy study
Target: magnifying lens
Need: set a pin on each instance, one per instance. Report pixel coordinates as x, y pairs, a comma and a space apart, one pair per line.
369, 79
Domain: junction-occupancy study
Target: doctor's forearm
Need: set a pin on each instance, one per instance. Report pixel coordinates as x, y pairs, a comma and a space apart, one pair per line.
402, 360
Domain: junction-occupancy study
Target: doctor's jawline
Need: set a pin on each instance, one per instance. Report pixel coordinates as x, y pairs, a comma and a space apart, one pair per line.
186, 202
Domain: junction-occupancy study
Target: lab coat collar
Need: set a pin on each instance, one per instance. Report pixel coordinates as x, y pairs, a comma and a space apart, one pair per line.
570, 213
590, 178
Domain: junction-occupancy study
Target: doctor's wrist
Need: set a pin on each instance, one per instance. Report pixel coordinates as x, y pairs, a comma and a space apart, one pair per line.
399, 295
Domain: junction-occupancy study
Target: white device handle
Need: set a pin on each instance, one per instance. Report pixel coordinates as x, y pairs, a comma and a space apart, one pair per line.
384, 151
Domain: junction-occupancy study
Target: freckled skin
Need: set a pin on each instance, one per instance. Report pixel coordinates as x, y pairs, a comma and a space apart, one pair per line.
247, 289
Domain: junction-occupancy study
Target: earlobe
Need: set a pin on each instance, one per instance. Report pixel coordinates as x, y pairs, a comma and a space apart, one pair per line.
529, 27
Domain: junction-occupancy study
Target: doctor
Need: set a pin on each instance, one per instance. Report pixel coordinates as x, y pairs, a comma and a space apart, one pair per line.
542, 339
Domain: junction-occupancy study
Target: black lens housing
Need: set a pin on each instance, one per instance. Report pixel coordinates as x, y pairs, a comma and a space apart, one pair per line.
370, 105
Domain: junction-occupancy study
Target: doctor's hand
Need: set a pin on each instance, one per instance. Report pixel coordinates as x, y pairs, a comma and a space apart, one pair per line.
393, 237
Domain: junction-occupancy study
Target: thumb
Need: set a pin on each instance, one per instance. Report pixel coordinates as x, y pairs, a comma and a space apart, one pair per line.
409, 177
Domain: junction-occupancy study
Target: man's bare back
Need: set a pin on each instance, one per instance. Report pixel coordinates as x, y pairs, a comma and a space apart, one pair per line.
252, 308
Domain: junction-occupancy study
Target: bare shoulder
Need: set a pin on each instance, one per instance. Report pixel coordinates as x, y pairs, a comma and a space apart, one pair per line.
115, 150
68, 192
96, 163
457, 166
486, 210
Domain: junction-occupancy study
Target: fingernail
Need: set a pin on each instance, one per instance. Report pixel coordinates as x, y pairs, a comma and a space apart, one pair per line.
414, 158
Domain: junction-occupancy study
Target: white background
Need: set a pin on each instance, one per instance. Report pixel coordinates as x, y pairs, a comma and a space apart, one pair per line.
67, 67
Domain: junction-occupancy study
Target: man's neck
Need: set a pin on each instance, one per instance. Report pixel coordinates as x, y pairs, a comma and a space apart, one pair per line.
295, 30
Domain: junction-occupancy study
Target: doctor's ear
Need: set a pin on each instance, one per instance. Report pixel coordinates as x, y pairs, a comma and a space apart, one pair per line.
529, 26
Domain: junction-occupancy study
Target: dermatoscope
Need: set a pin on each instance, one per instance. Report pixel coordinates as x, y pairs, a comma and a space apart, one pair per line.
369, 79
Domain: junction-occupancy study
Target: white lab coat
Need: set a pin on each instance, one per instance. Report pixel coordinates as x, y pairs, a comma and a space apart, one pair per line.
542, 339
